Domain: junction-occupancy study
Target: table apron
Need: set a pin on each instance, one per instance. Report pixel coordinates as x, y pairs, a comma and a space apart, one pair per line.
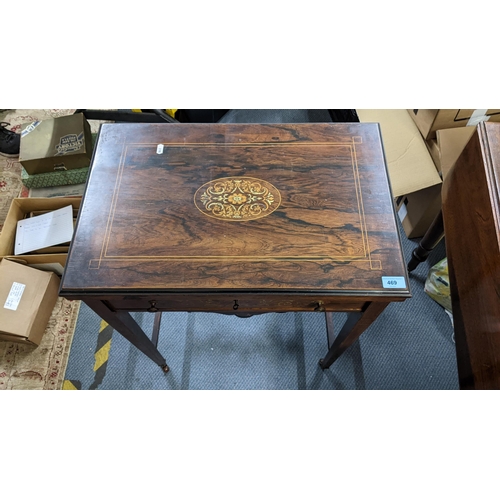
231, 303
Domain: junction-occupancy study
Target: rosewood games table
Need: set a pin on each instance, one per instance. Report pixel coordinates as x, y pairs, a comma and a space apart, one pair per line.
237, 219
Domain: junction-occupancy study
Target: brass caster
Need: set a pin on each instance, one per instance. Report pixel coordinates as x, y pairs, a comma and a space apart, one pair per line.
165, 368
320, 363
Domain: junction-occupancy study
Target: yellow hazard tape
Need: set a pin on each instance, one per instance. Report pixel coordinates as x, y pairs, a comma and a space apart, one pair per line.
68, 386
102, 355
170, 112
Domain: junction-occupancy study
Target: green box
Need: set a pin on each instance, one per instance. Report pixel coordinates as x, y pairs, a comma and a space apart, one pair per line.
50, 179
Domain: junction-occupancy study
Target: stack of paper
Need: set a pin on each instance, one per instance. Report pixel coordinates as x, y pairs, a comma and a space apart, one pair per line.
53, 228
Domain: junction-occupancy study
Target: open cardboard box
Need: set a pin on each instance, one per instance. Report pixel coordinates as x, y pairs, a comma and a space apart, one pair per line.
448, 146
18, 209
415, 182
435, 152
451, 144
429, 121
27, 298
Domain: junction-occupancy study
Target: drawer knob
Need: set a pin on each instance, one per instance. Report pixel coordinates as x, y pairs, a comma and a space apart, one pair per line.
320, 307
153, 307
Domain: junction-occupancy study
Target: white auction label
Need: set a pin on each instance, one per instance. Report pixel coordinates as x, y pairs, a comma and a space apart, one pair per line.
159, 149
14, 297
393, 282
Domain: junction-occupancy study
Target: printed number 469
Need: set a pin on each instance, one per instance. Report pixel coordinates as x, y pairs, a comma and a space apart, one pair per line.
392, 282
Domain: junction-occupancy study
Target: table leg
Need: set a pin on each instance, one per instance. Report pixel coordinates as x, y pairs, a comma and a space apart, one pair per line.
355, 325
427, 244
125, 325
156, 328
330, 333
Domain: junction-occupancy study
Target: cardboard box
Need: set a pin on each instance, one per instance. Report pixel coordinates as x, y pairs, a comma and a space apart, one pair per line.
429, 121
451, 144
56, 144
18, 209
27, 298
448, 146
408, 160
415, 182
418, 210
435, 152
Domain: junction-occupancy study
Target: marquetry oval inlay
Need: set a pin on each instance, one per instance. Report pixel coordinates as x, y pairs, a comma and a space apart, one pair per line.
237, 198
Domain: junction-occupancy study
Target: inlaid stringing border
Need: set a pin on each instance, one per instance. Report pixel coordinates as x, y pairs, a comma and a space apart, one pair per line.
373, 264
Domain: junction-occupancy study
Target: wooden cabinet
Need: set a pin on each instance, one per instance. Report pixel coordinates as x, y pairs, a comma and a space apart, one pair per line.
471, 213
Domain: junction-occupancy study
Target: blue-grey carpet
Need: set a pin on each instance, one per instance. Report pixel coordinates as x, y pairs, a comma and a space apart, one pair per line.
410, 346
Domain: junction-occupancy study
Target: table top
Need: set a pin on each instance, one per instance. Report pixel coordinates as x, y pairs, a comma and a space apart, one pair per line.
248, 207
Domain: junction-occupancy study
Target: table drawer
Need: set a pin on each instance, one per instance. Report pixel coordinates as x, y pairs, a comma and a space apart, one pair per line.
235, 303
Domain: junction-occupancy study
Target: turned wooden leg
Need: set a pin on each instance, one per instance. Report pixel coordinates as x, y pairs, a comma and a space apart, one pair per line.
431, 238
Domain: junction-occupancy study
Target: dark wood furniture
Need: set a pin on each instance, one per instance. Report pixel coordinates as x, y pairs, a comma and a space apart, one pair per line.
237, 218
471, 213
426, 245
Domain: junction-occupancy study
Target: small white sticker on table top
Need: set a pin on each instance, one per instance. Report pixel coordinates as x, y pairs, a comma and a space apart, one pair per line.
14, 297
393, 282
159, 149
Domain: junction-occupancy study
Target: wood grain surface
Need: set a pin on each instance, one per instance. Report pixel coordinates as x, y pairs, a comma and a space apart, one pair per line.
471, 213
237, 207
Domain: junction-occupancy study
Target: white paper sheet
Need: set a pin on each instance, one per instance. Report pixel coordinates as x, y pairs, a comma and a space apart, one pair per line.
53, 228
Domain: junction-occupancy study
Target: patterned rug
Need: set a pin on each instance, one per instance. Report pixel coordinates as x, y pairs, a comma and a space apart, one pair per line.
43, 367
22, 366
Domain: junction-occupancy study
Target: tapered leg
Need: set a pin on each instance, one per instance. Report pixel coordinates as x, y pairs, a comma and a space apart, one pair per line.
330, 334
125, 325
156, 328
355, 325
